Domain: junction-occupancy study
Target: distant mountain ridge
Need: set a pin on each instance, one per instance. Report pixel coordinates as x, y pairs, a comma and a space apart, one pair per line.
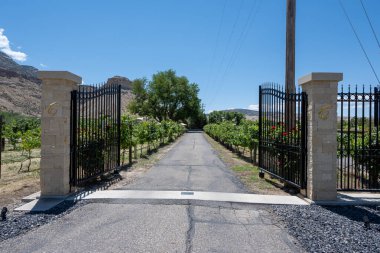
20, 89
246, 112
9, 65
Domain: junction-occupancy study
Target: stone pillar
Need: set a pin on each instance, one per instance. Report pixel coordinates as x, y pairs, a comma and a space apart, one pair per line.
322, 89
55, 131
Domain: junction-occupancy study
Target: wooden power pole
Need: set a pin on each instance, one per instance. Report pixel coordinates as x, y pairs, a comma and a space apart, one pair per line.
290, 108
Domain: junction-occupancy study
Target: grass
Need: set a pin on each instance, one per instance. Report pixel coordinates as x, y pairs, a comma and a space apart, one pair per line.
247, 172
249, 175
14, 184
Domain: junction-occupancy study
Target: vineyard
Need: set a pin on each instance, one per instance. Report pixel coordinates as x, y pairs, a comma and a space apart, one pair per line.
21, 149
235, 133
146, 135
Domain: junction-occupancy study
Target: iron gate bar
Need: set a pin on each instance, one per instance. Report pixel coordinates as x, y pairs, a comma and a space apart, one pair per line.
95, 132
358, 147
282, 151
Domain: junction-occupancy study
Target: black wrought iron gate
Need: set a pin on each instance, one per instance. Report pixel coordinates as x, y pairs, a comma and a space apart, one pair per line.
283, 139
95, 132
358, 139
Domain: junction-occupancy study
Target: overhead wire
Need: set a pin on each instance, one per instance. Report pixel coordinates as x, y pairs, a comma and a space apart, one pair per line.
243, 35
358, 39
235, 50
370, 23
217, 40
228, 42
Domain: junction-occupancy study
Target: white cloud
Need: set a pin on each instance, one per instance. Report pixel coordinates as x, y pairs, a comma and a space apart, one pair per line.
253, 107
210, 111
43, 65
5, 47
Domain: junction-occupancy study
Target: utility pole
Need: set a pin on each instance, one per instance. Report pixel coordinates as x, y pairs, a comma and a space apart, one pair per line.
290, 108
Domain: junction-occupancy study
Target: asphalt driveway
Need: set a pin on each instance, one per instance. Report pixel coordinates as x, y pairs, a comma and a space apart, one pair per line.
166, 225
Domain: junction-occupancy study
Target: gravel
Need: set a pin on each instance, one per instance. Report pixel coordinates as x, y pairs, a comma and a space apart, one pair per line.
332, 228
20, 222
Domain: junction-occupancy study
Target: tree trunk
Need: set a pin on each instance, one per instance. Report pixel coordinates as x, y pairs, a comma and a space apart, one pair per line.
130, 154
123, 156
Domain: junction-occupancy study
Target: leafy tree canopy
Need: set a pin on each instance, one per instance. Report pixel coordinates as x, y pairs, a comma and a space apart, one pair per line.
167, 97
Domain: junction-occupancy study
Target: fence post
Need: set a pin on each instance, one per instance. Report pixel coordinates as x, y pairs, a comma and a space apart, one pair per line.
55, 131
322, 89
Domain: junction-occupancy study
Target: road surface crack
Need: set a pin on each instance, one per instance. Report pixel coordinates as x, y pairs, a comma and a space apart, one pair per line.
188, 180
191, 231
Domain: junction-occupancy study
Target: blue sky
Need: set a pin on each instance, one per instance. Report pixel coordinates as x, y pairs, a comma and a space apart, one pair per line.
228, 47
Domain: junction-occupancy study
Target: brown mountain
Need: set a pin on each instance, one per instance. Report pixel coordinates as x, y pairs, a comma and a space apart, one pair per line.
126, 90
20, 90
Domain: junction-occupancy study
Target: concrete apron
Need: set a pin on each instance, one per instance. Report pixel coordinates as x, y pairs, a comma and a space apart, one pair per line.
197, 195
35, 204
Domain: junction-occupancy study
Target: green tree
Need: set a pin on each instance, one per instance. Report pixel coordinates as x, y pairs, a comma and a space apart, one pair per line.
12, 133
167, 97
30, 140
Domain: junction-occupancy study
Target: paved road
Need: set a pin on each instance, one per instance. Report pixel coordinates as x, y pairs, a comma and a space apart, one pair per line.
191, 165
166, 225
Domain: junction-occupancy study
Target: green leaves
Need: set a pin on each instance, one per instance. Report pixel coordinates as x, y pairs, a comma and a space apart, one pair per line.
31, 139
139, 132
166, 97
246, 134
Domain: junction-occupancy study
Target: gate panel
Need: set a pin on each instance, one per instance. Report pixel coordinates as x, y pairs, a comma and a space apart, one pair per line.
358, 140
282, 142
95, 132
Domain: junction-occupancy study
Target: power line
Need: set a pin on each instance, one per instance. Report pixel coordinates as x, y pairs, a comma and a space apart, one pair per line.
370, 23
217, 40
360, 43
234, 51
242, 37
229, 38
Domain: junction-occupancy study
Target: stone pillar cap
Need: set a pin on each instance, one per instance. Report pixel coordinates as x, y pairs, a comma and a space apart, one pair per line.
59, 75
321, 76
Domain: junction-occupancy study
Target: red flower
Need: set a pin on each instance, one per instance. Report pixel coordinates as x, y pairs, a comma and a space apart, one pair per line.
284, 134
273, 127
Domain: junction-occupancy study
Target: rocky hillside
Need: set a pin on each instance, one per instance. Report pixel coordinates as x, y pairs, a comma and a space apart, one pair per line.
126, 90
20, 90
20, 95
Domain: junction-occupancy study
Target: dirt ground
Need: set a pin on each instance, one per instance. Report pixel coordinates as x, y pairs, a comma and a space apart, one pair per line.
15, 185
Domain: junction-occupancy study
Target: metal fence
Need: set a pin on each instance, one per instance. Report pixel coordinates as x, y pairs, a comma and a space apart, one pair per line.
282, 139
358, 139
95, 132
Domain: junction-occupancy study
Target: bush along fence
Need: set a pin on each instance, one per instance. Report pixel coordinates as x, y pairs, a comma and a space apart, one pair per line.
244, 134
149, 133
